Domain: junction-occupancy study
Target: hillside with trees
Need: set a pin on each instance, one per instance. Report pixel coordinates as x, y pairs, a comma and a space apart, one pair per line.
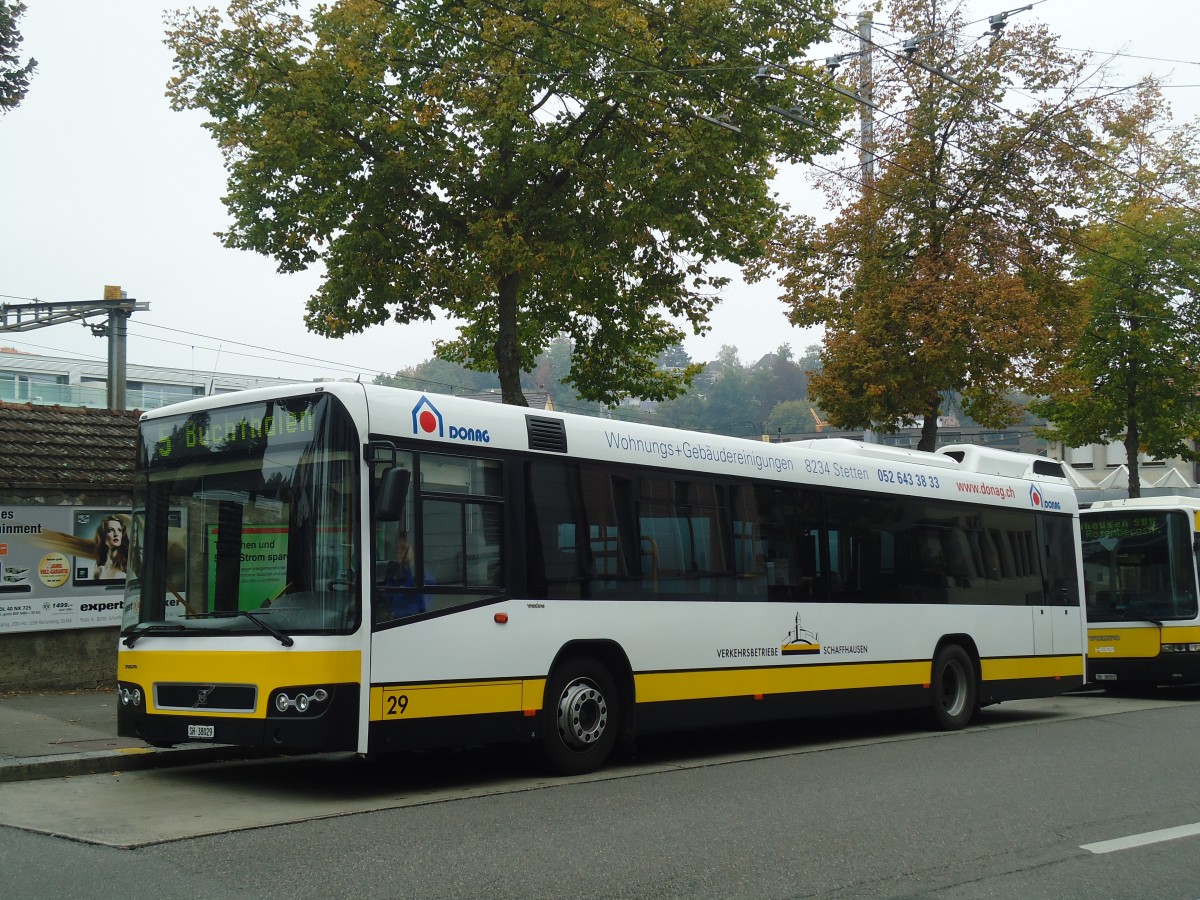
727, 396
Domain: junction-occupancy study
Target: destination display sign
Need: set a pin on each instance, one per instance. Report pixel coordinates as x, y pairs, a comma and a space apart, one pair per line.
249, 428
1096, 528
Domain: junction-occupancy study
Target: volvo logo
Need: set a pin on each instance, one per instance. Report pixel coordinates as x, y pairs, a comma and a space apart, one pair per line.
202, 696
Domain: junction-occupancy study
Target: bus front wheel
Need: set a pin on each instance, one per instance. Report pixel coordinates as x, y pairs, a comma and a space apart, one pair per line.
579, 718
953, 687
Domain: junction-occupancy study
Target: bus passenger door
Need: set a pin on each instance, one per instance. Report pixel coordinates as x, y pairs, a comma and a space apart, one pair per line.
1060, 602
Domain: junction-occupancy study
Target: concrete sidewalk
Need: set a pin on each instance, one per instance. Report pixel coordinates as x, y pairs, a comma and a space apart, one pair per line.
59, 734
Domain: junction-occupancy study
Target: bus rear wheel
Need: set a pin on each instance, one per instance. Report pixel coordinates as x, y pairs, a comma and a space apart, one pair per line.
579, 718
954, 688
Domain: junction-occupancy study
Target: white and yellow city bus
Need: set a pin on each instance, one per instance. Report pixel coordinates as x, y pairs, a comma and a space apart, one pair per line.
1141, 590
350, 567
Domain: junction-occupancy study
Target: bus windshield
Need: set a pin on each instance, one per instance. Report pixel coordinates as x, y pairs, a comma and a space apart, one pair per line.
1138, 564
245, 521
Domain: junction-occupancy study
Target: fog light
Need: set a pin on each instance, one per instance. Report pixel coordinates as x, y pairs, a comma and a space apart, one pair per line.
129, 697
303, 701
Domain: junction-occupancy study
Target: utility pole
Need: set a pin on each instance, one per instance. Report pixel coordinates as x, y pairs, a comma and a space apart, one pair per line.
118, 336
116, 305
866, 106
864, 97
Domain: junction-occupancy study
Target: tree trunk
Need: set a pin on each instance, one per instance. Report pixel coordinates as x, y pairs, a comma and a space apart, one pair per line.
1132, 435
508, 349
929, 427
1132, 439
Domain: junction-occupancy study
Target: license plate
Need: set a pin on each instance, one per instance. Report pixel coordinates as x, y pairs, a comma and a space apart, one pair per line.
202, 731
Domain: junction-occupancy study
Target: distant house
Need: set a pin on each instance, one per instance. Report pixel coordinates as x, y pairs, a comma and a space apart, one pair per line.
536, 399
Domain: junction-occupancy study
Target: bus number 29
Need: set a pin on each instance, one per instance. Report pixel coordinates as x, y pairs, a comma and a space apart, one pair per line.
395, 704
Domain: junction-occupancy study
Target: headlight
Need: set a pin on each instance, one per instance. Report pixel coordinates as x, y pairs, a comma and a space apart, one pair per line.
1181, 648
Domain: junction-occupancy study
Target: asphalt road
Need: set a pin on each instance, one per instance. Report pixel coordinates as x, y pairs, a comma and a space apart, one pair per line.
1062, 798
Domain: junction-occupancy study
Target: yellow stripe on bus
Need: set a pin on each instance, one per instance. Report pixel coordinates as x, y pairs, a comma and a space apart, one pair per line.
665, 686
1032, 667
266, 670
427, 701
657, 687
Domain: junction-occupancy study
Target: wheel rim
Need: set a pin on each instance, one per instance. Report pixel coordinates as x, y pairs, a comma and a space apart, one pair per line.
582, 714
954, 688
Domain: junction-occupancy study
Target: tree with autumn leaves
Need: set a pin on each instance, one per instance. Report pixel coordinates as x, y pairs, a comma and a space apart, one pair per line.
529, 169
1134, 376
946, 269
14, 75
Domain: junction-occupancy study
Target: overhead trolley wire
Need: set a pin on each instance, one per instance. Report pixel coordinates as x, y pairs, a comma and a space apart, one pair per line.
1115, 170
938, 185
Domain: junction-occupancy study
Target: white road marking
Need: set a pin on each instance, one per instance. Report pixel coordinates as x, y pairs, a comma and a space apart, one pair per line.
1141, 840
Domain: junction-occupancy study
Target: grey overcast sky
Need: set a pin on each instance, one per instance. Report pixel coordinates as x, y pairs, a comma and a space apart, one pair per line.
103, 184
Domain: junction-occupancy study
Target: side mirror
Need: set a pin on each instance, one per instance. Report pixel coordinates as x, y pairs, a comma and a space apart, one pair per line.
393, 492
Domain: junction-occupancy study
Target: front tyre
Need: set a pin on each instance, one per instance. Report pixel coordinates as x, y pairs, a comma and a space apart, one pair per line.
580, 717
954, 688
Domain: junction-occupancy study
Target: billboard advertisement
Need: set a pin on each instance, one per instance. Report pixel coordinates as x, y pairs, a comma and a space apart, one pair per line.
62, 567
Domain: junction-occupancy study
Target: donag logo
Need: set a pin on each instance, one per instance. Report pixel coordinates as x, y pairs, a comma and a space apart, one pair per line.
1040, 501
427, 419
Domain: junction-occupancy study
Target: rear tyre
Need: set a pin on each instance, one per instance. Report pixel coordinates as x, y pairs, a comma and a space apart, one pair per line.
580, 717
954, 688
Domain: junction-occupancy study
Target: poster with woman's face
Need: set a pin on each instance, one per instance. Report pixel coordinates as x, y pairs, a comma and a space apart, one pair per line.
107, 534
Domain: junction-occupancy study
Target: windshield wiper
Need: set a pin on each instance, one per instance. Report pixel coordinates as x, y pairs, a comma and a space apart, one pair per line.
1134, 616
153, 629
265, 626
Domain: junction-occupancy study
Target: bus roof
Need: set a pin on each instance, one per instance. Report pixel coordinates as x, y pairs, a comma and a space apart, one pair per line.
458, 421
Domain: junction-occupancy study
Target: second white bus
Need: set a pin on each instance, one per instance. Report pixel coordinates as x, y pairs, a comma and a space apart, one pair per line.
1142, 591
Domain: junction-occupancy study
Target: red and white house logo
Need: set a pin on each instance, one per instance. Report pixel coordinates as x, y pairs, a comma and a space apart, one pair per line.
427, 419
1041, 501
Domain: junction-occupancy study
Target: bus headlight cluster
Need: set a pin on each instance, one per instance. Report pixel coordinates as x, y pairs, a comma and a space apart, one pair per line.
302, 702
1181, 648
129, 696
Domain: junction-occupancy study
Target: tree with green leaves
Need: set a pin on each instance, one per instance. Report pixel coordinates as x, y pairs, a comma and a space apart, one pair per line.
776, 379
791, 417
944, 269
1135, 375
526, 169
14, 76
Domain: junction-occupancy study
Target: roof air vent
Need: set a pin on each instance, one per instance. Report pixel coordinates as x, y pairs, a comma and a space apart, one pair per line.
546, 434
1048, 468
